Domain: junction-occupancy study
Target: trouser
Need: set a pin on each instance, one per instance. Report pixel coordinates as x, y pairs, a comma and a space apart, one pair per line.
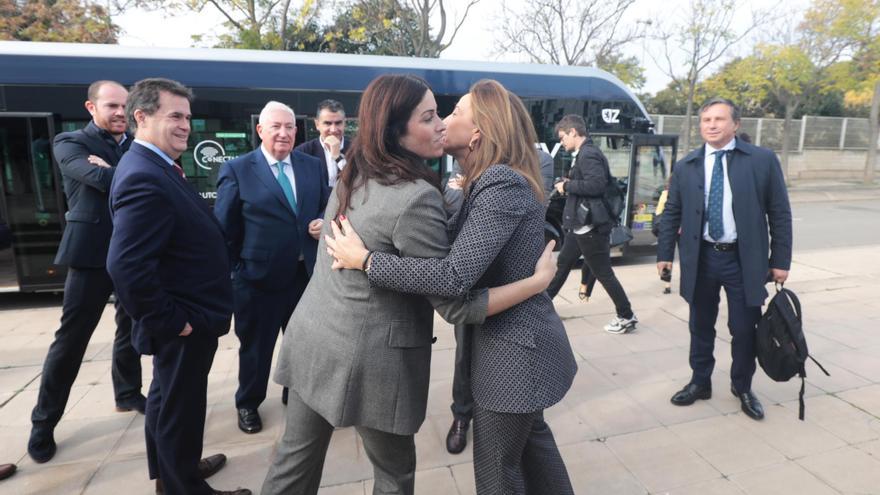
719, 269
86, 291
596, 249
174, 426
259, 315
566, 260
299, 455
516, 454
462, 397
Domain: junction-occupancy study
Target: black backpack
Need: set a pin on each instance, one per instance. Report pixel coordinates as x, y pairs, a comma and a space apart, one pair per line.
780, 344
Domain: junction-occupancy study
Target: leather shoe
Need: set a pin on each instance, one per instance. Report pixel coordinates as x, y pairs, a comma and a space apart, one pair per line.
456, 439
690, 393
284, 396
237, 491
6, 470
207, 467
41, 445
750, 403
249, 421
137, 403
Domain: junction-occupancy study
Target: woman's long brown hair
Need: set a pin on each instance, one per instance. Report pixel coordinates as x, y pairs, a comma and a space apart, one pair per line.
507, 135
376, 153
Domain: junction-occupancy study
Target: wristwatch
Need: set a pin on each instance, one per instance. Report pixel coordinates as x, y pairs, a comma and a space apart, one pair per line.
339, 158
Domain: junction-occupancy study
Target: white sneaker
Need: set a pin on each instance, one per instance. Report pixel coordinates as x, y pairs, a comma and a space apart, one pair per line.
622, 325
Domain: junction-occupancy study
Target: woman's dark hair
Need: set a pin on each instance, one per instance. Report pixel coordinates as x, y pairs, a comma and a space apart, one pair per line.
385, 109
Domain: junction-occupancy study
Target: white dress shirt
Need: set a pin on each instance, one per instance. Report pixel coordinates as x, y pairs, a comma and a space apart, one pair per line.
727, 200
333, 167
288, 170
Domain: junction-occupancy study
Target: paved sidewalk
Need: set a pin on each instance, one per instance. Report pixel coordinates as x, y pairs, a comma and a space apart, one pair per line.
617, 430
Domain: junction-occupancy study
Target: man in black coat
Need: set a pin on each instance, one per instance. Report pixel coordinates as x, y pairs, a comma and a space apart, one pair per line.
87, 159
171, 270
587, 179
724, 197
329, 146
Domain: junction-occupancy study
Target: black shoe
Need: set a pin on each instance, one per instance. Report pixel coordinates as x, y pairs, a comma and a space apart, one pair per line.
284, 396
207, 467
237, 491
41, 445
690, 393
6, 470
456, 439
137, 403
750, 404
249, 421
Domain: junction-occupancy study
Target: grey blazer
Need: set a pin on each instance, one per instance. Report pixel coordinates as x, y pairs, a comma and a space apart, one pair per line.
521, 360
359, 355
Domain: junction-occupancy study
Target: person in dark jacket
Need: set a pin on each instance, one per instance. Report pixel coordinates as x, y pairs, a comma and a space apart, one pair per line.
87, 159
727, 210
586, 180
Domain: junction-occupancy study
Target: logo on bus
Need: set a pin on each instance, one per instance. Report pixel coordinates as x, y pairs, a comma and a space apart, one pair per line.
610, 115
208, 154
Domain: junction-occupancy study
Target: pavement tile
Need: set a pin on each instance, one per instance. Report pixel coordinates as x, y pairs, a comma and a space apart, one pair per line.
592, 464
52, 479
660, 461
19, 378
842, 419
839, 380
720, 486
132, 473
726, 445
463, 474
784, 432
860, 363
848, 469
784, 478
865, 398
437, 481
356, 488
614, 413
654, 397
628, 369
598, 346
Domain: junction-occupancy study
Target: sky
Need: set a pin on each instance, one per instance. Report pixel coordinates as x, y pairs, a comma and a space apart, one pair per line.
475, 40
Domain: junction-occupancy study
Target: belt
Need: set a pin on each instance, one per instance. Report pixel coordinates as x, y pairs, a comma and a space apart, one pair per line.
721, 246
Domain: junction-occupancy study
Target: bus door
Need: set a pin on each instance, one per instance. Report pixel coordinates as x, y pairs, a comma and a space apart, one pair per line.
650, 167
31, 203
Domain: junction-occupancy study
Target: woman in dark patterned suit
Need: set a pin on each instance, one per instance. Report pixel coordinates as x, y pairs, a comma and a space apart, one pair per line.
521, 361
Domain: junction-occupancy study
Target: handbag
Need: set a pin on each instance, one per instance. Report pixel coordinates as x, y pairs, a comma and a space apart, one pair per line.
620, 234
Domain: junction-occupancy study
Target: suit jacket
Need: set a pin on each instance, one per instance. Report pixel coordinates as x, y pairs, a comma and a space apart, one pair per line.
314, 148
760, 200
87, 187
521, 359
587, 179
166, 255
359, 355
264, 236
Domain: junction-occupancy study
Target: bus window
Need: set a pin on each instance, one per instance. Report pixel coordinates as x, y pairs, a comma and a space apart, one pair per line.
30, 199
652, 161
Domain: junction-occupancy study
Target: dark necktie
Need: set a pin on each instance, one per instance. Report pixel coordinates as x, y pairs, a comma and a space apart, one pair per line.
286, 186
179, 170
716, 198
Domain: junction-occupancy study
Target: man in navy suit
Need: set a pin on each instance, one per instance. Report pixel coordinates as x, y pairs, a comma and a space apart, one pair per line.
171, 274
270, 203
87, 159
329, 146
724, 196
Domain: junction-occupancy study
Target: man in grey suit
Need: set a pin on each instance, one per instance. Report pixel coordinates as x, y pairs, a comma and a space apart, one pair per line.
724, 196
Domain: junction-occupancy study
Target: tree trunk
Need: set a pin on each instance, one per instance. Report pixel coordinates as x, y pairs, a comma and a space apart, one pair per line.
786, 129
873, 135
686, 146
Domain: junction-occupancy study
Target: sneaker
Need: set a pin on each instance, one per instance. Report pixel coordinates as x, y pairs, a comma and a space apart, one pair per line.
622, 325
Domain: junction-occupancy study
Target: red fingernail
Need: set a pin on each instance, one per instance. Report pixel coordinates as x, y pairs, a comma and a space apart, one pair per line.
342, 217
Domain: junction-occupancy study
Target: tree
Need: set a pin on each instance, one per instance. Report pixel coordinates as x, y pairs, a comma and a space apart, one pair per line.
671, 100
372, 27
567, 32
700, 38
627, 69
56, 20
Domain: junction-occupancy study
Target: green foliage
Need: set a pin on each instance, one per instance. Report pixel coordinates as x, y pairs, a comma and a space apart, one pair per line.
671, 100
627, 69
375, 27
56, 20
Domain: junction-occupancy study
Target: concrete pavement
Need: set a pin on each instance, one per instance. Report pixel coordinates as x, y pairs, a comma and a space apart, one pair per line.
616, 428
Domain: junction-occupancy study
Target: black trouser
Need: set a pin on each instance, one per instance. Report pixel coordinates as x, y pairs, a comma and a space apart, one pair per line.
462, 397
719, 269
259, 315
516, 454
566, 260
175, 419
86, 292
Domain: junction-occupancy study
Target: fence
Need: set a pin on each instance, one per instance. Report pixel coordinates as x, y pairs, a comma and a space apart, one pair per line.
807, 133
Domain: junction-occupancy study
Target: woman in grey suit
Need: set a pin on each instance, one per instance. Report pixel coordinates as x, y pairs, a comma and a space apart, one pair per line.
360, 356
521, 361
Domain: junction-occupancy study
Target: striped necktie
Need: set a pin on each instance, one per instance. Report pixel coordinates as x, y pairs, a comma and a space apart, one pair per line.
286, 187
716, 198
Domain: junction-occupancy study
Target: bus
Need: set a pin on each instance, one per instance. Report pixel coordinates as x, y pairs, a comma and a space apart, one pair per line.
43, 88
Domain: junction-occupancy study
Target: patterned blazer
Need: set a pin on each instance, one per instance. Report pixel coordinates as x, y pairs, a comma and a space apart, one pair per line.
521, 360
359, 355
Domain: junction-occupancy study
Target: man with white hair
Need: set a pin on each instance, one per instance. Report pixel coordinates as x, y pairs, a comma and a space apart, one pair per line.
270, 203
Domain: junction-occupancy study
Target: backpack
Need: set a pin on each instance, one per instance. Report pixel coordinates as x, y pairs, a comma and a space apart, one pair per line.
780, 343
612, 202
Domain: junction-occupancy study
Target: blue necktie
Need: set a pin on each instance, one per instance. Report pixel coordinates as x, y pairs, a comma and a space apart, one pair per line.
716, 198
285, 186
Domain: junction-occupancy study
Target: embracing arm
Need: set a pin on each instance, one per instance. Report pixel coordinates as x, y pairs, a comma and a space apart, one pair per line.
227, 209
73, 161
143, 221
